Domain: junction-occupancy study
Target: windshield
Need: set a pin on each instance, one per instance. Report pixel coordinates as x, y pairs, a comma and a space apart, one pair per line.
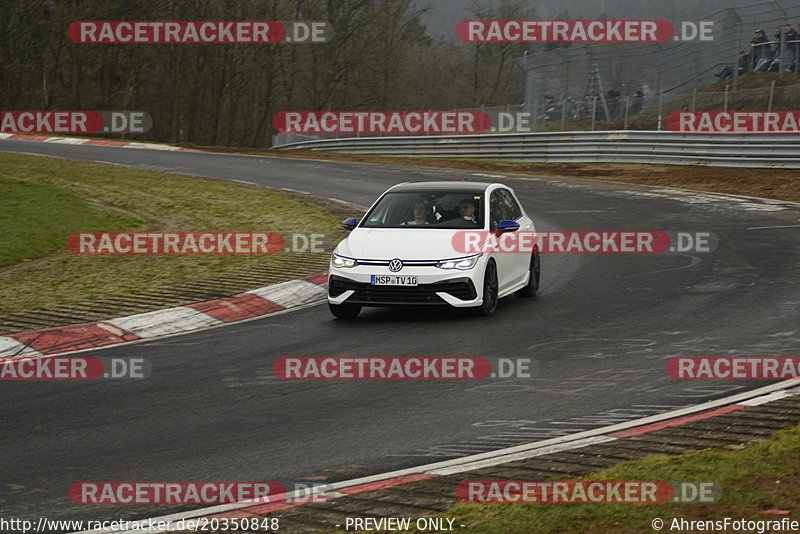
427, 209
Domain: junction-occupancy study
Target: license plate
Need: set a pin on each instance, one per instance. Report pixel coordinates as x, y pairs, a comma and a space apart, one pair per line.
380, 280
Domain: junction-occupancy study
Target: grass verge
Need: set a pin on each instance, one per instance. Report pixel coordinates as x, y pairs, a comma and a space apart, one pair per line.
46, 199
35, 218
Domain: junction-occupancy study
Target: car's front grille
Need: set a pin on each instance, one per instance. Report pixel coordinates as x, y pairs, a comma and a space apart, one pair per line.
461, 288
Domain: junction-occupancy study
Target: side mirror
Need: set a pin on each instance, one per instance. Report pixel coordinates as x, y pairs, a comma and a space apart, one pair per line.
507, 226
349, 224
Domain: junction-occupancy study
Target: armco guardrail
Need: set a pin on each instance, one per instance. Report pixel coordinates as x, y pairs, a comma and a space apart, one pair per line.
724, 150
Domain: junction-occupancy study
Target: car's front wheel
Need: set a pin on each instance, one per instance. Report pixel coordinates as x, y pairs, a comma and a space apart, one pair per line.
532, 288
490, 290
345, 311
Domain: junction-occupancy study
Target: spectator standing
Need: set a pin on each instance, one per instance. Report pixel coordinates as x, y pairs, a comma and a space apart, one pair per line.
612, 100
551, 110
584, 110
775, 64
637, 101
760, 49
790, 36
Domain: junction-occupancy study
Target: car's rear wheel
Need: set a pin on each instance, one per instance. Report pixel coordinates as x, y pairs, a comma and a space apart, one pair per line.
490, 289
345, 311
532, 288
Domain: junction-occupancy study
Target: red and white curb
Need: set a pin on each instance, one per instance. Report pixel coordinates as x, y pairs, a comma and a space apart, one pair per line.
195, 316
606, 434
93, 142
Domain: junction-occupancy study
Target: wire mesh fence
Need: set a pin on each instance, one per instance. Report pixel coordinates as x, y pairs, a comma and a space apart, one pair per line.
628, 112
612, 86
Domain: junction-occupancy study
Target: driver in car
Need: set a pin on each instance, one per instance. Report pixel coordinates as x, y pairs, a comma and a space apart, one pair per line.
421, 210
420, 214
466, 210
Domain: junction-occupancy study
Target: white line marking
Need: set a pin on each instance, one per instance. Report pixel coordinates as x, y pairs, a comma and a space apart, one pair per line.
520, 456
176, 334
111, 328
150, 146
66, 140
10, 347
770, 227
161, 322
778, 395
292, 293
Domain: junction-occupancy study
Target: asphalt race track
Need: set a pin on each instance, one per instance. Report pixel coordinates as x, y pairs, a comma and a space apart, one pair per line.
599, 336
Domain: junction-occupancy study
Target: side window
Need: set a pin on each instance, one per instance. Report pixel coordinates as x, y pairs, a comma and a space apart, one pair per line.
512, 208
497, 210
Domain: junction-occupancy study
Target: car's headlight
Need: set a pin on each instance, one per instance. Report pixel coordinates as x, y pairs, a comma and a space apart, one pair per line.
467, 262
342, 261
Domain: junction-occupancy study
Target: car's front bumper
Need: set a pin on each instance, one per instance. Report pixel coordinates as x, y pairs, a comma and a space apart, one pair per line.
435, 287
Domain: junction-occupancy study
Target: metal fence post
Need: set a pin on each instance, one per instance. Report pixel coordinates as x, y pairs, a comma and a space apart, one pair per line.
566, 91
694, 100
594, 110
771, 95
660, 108
782, 50
732, 96
725, 105
627, 105
739, 39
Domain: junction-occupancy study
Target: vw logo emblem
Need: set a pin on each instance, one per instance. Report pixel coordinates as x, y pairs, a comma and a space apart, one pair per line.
395, 265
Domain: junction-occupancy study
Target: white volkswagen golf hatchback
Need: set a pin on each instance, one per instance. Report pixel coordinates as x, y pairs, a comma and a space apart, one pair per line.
405, 250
